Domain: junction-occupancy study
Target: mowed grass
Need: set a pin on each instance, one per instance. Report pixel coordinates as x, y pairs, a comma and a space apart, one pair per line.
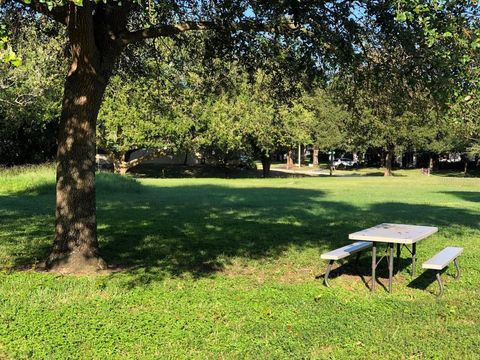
227, 268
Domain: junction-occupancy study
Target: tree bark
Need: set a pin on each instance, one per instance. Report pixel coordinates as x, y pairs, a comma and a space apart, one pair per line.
388, 162
289, 159
315, 155
120, 164
266, 162
75, 247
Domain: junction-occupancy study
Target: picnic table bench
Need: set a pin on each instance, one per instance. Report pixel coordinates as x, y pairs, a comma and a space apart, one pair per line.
342, 253
440, 261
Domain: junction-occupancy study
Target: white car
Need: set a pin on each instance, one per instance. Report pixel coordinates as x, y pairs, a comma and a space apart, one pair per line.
344, 162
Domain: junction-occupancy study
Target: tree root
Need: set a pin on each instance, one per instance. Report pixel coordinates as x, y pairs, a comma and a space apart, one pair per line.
75, 262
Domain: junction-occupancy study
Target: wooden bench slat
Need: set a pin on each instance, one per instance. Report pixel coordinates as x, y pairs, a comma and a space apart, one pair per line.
443, 258
345, 251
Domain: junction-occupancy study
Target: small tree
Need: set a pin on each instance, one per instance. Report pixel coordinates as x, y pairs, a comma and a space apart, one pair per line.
132, 118
241, 120
328, 126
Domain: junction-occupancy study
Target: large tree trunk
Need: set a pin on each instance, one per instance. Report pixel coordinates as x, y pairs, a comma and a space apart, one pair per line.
75, 246
435, 161
266, 162
315, 155
120, 164
289, 159
465, 165
388, 162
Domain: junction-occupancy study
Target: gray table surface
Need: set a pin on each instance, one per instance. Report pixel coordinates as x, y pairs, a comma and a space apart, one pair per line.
394, 233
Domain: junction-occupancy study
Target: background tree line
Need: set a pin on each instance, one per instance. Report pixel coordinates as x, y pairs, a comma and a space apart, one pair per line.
222, 108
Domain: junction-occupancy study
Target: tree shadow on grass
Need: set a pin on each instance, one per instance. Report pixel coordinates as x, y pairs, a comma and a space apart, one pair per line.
363, 269
457, 173
427, 278
424, 214
471, 196
26, 228
197, 229
202, 171
198, 232
423, 281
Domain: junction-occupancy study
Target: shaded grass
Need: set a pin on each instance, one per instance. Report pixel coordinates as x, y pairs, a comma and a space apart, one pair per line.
226, 268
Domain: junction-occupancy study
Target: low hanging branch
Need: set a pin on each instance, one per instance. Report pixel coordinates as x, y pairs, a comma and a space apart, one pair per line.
121, 165
61, 13
171, 30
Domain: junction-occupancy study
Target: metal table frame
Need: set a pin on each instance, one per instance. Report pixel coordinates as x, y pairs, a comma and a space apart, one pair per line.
389, 254
400, 234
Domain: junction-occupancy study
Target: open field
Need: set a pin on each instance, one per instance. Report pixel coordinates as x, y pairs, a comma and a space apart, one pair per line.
226, 268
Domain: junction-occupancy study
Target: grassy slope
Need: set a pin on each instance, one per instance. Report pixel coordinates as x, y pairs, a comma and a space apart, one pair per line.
226, 268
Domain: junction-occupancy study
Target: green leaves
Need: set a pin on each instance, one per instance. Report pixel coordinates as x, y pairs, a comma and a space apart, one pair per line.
402, 16
29, 98
7, 55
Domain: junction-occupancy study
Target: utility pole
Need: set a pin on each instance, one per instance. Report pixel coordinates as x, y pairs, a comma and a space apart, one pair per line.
299, 155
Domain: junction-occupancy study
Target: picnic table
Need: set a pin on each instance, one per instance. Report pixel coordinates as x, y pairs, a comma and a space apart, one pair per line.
402, 235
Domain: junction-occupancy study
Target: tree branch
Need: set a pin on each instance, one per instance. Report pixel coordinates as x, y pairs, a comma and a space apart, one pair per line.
171, 30
149, 156
57, 13
120, 162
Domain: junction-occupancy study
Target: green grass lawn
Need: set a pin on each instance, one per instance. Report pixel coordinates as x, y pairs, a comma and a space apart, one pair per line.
226, 268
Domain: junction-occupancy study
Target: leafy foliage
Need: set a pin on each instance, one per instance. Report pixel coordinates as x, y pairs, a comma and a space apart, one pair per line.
29, 100
7, 55
136, 116
455, 40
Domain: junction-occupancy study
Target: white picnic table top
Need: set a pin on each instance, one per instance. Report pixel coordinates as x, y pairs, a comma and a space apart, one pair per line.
394, 233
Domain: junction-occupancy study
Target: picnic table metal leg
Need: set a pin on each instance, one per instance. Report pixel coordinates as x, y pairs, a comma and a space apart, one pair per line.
440, 284
390, 267
457, 267
414, 259
327, 273
374, 265
399, 251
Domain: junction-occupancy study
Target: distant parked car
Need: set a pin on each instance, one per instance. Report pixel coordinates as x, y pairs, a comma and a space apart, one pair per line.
344, 162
